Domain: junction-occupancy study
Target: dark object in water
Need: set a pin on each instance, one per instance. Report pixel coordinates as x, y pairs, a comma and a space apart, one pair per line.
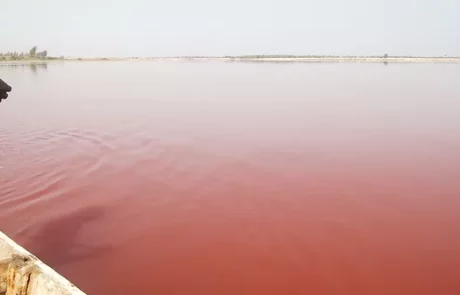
4, 89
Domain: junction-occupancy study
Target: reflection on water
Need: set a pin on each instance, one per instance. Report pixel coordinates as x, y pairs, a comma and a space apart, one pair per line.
236, 178
32, 66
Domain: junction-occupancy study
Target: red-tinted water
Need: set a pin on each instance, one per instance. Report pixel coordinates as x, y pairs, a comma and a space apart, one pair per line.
235, 178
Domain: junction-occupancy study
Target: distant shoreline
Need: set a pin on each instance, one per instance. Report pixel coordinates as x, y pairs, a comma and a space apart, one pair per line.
270, 58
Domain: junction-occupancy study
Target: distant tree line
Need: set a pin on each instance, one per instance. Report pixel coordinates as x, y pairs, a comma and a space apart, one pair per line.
33, 53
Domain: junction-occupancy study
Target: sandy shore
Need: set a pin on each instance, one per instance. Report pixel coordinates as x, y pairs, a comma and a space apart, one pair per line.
311, 59
358, 59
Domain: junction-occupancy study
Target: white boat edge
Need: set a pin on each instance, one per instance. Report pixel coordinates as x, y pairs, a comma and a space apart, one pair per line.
23, 273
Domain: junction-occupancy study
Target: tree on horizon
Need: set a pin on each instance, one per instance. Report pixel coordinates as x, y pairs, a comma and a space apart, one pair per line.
33, 51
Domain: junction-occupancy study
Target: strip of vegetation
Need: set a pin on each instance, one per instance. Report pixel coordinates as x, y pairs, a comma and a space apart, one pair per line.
33, 54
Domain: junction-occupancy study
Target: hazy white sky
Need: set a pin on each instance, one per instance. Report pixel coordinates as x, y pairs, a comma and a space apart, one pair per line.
207, 27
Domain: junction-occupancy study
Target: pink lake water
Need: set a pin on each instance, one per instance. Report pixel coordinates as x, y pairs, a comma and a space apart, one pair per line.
235, 178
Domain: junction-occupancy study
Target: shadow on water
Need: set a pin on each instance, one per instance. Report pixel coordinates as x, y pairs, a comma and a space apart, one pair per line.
58, 242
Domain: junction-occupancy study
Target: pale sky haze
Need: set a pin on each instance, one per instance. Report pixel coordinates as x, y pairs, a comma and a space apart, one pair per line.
205, 27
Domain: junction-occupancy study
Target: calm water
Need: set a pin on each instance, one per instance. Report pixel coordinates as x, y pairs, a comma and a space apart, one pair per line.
236, 178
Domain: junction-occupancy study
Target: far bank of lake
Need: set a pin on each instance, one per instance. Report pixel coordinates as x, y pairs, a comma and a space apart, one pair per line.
255, 58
